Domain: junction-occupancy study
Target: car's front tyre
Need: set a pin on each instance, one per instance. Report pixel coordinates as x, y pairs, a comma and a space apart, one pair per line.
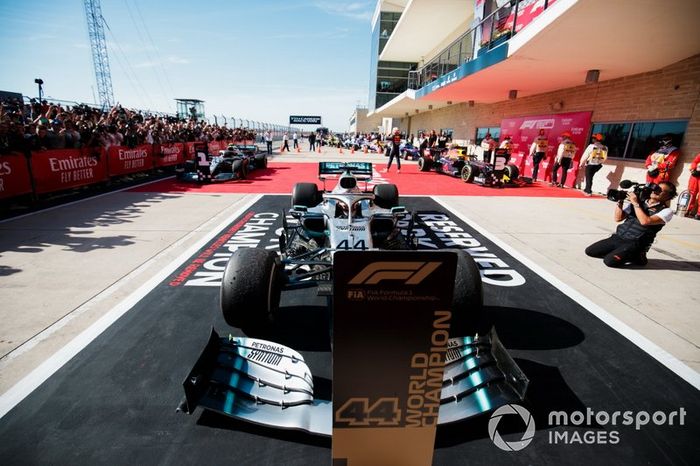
251, 288
468, 312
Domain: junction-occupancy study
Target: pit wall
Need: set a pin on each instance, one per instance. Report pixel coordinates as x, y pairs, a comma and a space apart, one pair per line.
669, 93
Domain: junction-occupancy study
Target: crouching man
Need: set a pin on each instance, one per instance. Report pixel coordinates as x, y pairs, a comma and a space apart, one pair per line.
642, 220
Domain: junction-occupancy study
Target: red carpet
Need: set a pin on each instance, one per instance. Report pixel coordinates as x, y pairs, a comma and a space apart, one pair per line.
279, 178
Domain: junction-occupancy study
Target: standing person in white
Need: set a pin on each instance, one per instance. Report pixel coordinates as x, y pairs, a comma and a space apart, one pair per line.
593, 158
268, 141
565, 154
538, 151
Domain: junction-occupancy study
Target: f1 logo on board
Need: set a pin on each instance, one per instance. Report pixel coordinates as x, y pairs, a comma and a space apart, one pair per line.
538, 124
412, 272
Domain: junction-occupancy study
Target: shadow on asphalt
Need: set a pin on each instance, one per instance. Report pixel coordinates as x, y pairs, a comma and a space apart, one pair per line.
667, 264
73, 234
523, 329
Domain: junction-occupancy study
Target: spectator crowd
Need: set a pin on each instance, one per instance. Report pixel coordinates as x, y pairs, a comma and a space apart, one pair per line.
37, 126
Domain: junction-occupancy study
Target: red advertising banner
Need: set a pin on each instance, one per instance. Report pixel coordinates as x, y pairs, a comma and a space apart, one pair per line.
55, 170
215, 146
124, 160
524, 130
14, 175
189, 150
527, 11
166, 155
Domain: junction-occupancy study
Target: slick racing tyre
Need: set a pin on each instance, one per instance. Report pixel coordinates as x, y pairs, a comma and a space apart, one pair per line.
251, 288
305, 194
423, 164
511, 171
260, 161
237, 168
468, 314
386, 196
468, 173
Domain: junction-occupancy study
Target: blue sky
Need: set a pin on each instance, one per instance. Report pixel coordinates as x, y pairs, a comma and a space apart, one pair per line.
260, 60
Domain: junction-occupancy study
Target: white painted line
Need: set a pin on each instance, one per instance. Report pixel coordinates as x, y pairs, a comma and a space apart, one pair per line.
646, 345
77, 201
39, 375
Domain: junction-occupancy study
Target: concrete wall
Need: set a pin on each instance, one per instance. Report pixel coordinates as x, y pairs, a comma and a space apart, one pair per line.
670, 93
365, 124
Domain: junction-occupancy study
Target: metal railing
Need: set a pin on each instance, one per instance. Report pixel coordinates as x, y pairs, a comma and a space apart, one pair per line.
491, 32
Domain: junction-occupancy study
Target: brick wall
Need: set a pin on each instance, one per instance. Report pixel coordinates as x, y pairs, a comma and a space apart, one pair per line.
669, 93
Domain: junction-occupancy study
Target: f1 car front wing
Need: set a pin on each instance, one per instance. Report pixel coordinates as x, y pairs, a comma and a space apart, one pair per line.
270, 384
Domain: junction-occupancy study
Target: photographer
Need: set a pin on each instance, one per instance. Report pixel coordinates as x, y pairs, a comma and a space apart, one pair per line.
645, 211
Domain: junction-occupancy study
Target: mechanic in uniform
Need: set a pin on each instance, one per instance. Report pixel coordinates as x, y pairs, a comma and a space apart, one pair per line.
489, 145
694, 188
507, 144
394, 152
593, 158
565, 154
538, 151
642, 221
660, 163
285, 140
295, 139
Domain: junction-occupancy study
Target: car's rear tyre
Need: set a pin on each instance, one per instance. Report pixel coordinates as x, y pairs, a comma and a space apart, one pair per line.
468, 313
468, 173
386, 196
423, 164
237, 168
511, 171
305, 194
251, 288
260, 161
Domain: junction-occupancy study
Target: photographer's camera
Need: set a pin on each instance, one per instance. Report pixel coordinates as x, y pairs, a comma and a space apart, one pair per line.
643, 191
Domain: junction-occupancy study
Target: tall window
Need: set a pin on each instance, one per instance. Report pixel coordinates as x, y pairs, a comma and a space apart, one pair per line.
636, 140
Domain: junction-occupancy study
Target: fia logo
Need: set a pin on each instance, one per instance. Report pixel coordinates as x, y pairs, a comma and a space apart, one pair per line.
356, 295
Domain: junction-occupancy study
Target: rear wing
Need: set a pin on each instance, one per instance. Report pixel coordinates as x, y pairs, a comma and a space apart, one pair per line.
361, 170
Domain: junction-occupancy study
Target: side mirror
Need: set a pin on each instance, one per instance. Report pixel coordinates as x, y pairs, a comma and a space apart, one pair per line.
300, 208
398, 210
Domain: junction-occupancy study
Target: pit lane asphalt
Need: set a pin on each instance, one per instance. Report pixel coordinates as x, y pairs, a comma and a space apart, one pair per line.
64, 282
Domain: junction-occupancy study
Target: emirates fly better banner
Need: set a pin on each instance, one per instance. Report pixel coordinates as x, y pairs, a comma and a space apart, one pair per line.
125, 160
56, 170
14, 175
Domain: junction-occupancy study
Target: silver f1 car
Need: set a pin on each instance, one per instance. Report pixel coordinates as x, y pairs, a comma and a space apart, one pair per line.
268, 383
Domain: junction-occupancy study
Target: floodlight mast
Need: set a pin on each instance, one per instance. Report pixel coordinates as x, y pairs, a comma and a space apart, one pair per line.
98, 45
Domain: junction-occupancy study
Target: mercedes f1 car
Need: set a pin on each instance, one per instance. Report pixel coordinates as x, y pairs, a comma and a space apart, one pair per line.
270, 384
256, 158
459, 163
233, 163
